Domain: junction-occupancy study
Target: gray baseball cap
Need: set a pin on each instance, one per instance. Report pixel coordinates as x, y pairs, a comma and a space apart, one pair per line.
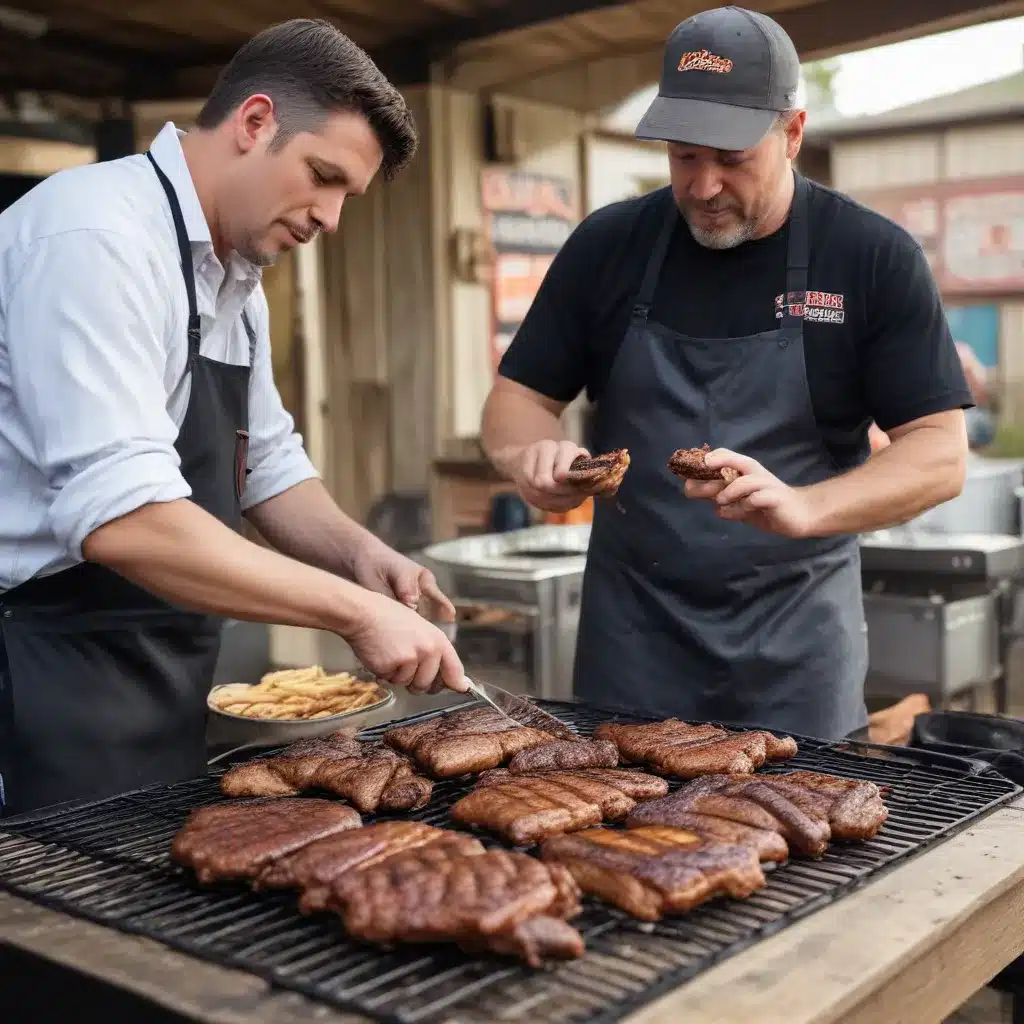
726, 76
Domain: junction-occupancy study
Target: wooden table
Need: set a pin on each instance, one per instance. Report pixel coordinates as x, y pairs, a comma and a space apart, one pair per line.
908, 948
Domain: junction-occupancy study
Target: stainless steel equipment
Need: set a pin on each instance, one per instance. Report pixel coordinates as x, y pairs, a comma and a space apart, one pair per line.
518, 597
938, 610
988, 502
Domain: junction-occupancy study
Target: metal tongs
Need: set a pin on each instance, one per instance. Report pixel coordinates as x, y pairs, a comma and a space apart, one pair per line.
519, 711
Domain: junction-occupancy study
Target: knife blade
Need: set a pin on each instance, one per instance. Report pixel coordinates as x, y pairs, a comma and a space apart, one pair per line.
519, 710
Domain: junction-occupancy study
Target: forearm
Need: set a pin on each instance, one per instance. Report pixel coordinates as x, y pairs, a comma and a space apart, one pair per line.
918, 470
186, 556
305, 523
512, 422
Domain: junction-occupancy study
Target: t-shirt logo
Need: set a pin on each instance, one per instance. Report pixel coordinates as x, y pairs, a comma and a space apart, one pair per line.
820, 307
705, 60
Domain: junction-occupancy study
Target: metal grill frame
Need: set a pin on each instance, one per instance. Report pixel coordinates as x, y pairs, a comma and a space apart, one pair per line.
108, 861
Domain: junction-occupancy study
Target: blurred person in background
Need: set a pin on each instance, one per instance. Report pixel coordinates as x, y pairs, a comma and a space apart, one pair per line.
139, 423
774, 319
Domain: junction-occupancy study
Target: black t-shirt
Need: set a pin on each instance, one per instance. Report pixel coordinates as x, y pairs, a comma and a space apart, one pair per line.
877, 344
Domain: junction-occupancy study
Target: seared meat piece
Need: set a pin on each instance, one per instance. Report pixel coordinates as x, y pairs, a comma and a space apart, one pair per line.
565, 754
602, 474
747, 800
525, 808
463, 741
370, 776
668, 812
236, 840
853, 808
649, 872
689, 464
688, 751
488, 902
314, 867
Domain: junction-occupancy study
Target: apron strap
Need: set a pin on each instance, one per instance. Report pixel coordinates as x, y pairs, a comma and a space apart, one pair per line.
187, 272
797, 255
645, 297
250, 333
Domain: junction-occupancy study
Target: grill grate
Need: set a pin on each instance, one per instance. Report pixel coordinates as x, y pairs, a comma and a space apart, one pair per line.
109, 862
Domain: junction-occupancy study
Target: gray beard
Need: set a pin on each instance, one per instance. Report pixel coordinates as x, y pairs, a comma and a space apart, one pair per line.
721, 238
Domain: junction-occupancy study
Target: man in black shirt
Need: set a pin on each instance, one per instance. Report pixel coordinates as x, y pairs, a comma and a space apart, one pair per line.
774, 319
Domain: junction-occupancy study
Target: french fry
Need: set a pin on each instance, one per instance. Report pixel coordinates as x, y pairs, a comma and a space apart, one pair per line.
297, 695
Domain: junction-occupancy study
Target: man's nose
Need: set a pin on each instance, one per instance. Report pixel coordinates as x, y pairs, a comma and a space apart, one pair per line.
328, 214
705, 184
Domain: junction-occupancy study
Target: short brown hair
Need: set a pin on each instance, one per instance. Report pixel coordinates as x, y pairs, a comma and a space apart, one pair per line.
310, 69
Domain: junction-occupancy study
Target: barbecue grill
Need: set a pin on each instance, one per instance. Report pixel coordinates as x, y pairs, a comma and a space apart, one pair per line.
108, 861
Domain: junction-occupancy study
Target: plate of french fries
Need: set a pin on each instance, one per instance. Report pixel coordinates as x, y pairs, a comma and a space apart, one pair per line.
297, 695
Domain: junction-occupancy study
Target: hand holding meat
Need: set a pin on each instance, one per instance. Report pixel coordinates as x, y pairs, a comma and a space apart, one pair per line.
400, 647
542, 476
385, 571
755, 496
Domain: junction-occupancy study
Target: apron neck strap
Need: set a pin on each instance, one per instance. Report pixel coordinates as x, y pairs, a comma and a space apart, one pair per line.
645, 297
185, 252
798, 252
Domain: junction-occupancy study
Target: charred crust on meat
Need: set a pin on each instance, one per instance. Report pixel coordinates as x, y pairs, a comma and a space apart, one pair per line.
690, 464
601, 474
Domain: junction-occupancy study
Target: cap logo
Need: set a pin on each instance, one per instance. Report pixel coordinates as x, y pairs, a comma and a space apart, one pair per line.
704, 60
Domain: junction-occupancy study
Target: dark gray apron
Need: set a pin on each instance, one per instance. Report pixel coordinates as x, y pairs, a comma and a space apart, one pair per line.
103, 685
687, 614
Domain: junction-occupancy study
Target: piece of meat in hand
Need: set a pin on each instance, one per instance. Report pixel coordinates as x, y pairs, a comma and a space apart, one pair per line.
650, 872
498, 901
689, 464
463, 741
602, 474
370, 776
566, 755
234, 841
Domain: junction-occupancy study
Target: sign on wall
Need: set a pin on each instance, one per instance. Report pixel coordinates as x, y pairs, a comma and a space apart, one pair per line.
527, 219
972, 232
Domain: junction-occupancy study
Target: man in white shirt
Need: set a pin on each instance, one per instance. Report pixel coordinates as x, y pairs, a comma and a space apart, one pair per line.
139, 422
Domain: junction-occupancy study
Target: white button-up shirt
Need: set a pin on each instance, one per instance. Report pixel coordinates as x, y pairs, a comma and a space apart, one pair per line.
93, 345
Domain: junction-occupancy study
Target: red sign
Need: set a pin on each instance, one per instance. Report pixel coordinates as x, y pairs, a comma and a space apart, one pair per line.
527, 218
971, 232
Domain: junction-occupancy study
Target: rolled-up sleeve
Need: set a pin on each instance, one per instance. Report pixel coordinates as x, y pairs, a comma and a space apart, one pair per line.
85, 337
277, 459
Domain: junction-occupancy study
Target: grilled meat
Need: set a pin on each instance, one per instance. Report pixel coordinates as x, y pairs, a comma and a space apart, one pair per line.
652, 871
464, 741
668, 812
566, 755
370, 776
237, 840
747, 800
602, 474
852, 807
498, 901
688, 751
689, 464
525, 808
312, 868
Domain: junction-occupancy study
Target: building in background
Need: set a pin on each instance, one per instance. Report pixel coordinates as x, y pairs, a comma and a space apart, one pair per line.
951, 171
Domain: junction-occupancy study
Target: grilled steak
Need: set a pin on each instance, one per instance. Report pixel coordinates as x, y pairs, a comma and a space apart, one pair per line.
853, 808
236, 840
312, 868
499, 901
602, 474
649, 872
525, 808
689, 464
688, 751
669, 812
747, 800
370, 776
463, 741
565, 754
